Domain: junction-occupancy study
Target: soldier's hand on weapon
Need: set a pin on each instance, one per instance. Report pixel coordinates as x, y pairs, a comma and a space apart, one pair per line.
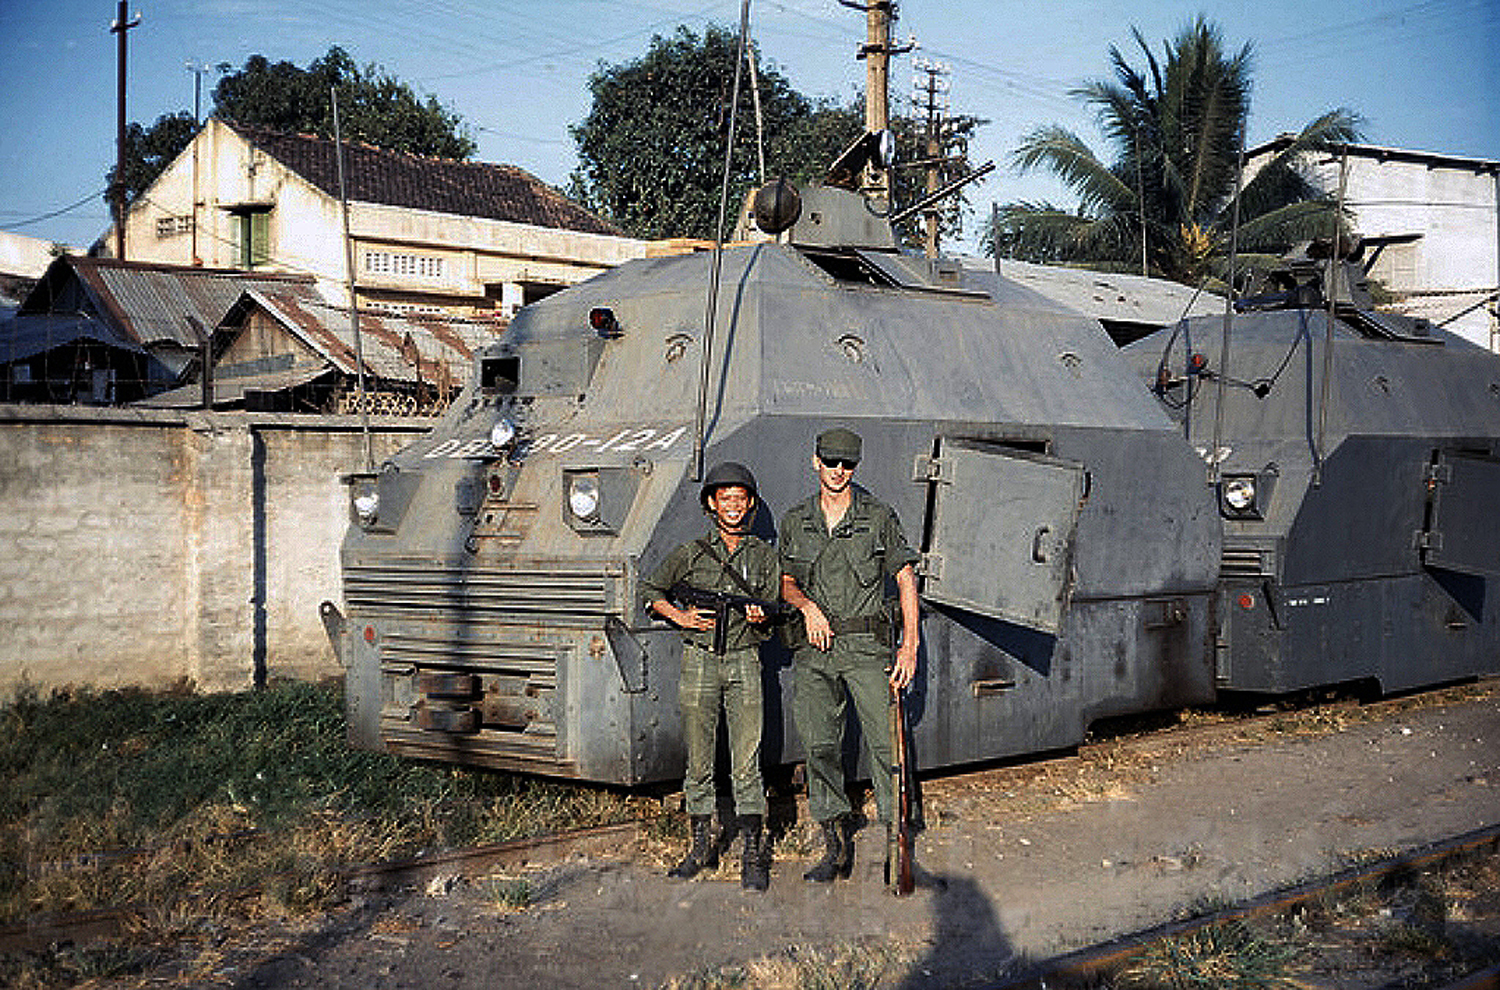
701, 619
819, 632
905, 667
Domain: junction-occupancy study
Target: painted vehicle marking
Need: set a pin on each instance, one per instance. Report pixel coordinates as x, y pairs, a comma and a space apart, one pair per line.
631, 440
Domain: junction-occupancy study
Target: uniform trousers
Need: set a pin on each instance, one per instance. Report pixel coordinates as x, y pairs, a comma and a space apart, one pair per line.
858, 664
707, 680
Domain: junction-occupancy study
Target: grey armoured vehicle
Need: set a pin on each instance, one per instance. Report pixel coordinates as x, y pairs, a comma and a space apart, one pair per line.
1070, 544
1359, 541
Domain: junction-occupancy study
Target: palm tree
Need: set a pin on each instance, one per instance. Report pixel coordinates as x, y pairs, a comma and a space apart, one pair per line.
1175, 130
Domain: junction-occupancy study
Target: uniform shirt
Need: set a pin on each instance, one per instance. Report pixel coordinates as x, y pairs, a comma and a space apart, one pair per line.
844, 571
754, 560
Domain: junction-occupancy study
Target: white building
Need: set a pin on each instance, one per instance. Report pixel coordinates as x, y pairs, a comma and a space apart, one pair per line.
431, 235
1431, 224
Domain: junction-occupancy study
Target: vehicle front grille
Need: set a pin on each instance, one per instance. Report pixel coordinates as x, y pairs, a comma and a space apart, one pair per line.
440, 590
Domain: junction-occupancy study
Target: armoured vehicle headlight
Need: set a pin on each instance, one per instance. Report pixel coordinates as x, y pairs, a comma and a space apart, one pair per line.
1239, 493
502, 433
583, 495
1246, 496
366, 504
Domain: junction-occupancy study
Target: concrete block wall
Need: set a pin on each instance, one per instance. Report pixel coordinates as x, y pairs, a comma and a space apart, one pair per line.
151, 547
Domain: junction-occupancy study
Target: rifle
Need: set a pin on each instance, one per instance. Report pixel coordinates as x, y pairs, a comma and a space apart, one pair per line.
899, 868
684, 595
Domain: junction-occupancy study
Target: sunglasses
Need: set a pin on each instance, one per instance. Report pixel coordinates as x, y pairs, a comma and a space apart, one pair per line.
838, 462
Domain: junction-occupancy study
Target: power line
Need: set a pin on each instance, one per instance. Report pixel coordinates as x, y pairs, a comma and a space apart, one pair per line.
574, 50
56, 213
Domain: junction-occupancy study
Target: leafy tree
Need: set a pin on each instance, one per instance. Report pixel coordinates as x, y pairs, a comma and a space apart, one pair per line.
1175, 131
148, 151
374, 107
651, 150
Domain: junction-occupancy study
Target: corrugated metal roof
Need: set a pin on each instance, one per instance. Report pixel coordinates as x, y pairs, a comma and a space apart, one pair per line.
433, 349
232, 390
154, 303
1383, 153
34, 333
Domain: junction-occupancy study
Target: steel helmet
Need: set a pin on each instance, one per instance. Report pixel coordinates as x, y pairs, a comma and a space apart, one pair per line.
727, 473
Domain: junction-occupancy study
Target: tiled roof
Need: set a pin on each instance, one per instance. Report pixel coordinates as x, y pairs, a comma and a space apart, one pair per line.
441, 185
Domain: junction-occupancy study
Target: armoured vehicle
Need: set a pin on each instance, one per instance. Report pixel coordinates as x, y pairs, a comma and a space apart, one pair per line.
1356, 455
1070, 545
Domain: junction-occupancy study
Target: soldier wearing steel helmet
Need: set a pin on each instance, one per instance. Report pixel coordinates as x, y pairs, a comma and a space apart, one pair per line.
839, 549
729, 559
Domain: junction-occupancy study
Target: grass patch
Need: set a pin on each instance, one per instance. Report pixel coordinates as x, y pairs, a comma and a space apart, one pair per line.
509, 894
165, 798
1227, 955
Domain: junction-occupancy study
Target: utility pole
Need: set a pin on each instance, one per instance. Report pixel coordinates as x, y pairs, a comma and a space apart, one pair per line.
931, 95
197, 69
877, 51
120, 27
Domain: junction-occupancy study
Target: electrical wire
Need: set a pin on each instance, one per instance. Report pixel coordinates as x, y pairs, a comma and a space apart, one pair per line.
55, 213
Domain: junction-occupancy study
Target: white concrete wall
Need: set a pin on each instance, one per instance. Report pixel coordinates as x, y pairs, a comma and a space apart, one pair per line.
1453, 208
26, 256
147, 547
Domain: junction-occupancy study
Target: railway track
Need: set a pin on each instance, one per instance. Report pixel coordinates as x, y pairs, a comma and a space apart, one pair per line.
104, 922
1086, 967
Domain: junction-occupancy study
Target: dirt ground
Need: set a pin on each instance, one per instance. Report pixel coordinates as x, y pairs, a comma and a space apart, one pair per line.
1017, 864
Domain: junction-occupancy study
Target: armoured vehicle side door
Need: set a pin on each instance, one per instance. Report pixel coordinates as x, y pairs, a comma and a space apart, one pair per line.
1001, 533
1461, 534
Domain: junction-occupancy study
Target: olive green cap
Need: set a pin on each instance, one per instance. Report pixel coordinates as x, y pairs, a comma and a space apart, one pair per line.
840, 443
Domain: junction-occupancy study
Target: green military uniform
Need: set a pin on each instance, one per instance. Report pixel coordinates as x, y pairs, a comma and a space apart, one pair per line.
733, 678
845, 573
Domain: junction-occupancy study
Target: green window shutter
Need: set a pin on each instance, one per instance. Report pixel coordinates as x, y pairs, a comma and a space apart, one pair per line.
260, 238
253, 230
242, 232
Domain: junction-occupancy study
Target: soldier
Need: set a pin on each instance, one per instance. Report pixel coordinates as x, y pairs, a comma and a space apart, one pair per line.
732, 560
838, 549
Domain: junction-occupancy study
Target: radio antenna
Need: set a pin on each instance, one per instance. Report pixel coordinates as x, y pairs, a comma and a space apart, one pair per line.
718, 259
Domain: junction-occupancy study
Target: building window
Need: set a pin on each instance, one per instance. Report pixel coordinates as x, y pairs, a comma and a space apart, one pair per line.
173, 226
1396, 266
405, 265
252, 237
402, 309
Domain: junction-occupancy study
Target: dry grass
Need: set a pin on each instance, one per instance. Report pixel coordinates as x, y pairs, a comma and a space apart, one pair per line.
1226, 956
200, 809
868, 965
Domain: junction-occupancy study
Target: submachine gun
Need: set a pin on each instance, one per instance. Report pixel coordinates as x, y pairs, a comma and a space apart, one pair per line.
684, 595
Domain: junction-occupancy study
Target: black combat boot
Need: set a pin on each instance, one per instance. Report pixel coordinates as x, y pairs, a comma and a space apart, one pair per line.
838, 853
704, 854
755, 872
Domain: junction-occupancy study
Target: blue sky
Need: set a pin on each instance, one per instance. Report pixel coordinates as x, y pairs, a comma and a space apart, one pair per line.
1424, 73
